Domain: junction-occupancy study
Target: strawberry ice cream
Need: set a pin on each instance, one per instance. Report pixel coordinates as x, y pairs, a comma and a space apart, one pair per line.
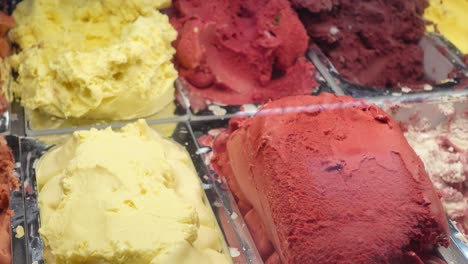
7, 182
238, 52
329, 179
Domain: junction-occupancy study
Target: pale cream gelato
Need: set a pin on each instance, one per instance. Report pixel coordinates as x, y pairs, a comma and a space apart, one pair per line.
444, 150
108, 59
125, 197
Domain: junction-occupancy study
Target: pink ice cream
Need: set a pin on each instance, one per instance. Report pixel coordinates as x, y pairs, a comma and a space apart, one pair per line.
444, 151
237, 52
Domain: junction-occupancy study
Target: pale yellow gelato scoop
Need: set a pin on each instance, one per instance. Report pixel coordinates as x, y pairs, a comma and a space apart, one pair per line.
125, 197
451, 19
107, 59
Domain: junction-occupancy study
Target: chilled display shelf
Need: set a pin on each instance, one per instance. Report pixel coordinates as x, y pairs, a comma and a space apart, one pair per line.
426, 108
186, 133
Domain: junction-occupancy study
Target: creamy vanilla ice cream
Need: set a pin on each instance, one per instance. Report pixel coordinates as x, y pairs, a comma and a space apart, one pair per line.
94, 59
124, 197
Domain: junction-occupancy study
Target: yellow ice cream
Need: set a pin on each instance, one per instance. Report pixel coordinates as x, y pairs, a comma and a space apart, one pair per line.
124, 197
450, 18
106, 59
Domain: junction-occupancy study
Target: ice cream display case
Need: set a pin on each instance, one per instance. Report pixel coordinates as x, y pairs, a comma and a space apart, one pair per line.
362, 50
257, 131
442, 113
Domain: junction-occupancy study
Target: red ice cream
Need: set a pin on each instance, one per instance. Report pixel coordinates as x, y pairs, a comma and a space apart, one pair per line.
237, 52
6, 183
373, 43
6, 23
330, 179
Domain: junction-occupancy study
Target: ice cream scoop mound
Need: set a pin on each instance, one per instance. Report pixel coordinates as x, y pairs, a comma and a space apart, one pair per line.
332, 180
82, 59
237, 52
371, 43
130, 196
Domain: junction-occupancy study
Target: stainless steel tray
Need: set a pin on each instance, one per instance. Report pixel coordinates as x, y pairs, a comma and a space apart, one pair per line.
18, 223
207, 110
5, 123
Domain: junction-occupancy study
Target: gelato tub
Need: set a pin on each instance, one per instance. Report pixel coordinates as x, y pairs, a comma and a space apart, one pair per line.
376, 46
238, 246
231, 53
443, 68
206, 131
436, 128
80, 63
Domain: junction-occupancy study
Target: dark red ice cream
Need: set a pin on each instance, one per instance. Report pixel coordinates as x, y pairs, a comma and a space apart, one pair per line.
7, 182
241, 51
6, 23
329, 179
373, 43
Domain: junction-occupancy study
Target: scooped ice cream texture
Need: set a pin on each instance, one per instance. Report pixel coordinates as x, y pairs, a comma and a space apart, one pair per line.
94, 59
124, 197
6, 22
237, 52
329, 179
449, 18
7, 182
444, 151
373, 43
